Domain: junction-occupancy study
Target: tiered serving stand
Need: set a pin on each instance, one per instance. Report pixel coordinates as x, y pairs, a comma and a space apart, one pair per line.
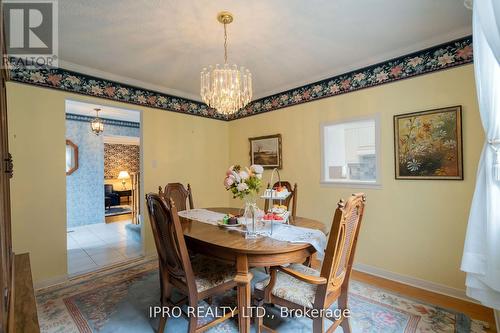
273, 196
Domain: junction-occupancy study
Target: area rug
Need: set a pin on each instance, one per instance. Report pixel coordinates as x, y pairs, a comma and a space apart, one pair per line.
120, 302
117, 210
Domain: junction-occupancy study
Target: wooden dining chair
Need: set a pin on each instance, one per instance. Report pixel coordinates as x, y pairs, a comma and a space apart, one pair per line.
291, 198
297, 286
179, 194
197, 278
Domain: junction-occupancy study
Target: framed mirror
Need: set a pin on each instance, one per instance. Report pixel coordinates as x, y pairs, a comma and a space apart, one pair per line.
71, 157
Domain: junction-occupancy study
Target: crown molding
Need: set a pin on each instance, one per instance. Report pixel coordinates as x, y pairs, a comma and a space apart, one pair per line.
444, 56
106, 121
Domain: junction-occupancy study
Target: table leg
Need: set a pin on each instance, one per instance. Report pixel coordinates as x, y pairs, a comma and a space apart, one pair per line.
243, 278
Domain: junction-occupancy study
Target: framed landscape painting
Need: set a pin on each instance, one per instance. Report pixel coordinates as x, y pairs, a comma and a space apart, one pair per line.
266, 151
428, 144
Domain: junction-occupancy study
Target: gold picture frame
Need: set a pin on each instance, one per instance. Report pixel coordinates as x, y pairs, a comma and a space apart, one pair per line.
428, 144
266, 151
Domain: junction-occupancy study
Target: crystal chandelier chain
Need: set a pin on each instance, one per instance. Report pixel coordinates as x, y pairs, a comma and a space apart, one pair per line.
225, 43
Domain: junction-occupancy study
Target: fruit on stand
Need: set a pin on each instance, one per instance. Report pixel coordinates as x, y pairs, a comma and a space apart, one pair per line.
272, 216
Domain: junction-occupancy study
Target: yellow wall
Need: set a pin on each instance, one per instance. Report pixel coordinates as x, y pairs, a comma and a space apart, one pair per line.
413, 228
175, 147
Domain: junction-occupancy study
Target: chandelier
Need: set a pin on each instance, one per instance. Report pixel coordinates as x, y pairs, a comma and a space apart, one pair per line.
226, 88
97, 125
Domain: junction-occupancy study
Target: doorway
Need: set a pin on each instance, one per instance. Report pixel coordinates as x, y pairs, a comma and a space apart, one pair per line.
102, 186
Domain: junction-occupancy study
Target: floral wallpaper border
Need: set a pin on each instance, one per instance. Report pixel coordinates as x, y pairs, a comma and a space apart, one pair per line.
106, 121
444, 56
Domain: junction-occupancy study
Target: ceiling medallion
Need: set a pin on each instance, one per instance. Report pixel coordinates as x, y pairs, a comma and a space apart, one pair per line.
226, 88
96, 124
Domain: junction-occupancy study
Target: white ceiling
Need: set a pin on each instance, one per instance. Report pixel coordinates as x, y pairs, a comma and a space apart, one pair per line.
163, 45
87, 109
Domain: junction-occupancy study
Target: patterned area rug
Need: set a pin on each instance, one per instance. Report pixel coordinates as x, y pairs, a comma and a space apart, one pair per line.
119, 302
117, 210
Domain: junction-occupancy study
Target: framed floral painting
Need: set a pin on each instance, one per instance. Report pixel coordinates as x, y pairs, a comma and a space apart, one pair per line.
428, 144
266, 151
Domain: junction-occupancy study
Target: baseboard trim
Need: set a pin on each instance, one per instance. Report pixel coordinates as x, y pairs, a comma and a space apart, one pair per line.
42, 284
497, 319
414, 282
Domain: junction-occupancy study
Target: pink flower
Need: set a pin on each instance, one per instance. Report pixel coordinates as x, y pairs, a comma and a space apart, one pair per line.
382, 76
396, 70
359, 77
54, 79
345, 84
110, 91
334, 89
230, 170
445, 59
228, 181
465, 53
415, 61
96, 90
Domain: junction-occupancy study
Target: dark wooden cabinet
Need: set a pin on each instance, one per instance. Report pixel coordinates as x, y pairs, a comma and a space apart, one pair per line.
6, 255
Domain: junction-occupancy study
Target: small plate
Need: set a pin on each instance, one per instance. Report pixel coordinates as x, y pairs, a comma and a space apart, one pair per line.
222, 224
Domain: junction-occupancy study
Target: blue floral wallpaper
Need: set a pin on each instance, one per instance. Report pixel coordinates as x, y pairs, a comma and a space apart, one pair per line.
85, 187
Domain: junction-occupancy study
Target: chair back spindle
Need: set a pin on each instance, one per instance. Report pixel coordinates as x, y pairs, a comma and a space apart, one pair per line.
179, 194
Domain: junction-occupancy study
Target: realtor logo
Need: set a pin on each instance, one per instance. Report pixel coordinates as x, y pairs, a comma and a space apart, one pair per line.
31, 32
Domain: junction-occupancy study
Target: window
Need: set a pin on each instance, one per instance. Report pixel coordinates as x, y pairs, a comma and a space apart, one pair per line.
351, 152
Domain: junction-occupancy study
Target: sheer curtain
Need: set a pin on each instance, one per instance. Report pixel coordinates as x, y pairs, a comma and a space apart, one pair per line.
481, 257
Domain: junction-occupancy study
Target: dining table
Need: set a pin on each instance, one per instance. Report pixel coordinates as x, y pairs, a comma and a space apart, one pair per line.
229, 245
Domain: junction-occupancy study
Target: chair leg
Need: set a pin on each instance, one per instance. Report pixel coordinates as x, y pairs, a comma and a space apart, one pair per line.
346, 326
193, 324
163, 323
193, 320
318, 325
258, 319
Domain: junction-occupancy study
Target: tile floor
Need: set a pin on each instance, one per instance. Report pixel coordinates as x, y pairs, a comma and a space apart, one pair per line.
94, 246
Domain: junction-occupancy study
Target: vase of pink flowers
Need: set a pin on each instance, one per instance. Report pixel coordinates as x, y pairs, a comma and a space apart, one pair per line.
245, 184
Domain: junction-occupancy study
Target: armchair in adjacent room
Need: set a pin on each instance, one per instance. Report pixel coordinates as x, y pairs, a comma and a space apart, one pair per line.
111, 198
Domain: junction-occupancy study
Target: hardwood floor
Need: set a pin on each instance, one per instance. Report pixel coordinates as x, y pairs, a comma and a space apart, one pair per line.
118, 218
474, 310
26, 318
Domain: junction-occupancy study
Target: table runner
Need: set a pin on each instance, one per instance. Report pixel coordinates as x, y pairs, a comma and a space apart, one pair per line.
202, 215
280, 231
